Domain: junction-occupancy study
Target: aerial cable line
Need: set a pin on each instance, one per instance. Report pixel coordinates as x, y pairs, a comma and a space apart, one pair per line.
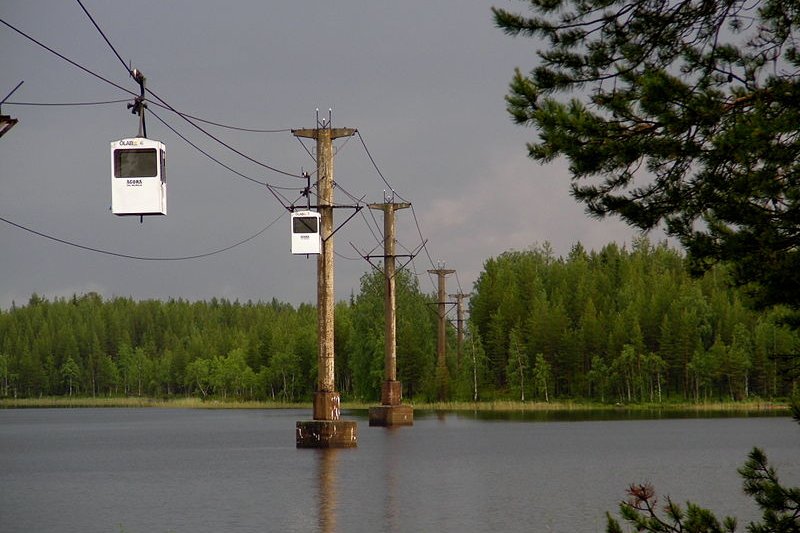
379, 238
271, 188
424, 246
341, 256
68, 104
182, 115
218, 124
312, 156
358, 202
413, 212
236, 128
220, 141
120, 87
105, 102
124, 65
419, 230
418, 275
378, 170
377, 225
68, 60
127, 68
369, 227
214, 159
136, 257
389, 185
346, 192
189, 117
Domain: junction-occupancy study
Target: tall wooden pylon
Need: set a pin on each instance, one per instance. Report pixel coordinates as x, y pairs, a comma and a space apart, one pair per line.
327, 430
460, 324
390, 412
442, 377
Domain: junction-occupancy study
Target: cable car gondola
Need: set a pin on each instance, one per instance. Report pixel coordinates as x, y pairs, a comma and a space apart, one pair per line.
305, 233
138, 177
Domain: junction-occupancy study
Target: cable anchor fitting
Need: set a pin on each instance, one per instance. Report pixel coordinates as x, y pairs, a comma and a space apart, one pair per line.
139, 105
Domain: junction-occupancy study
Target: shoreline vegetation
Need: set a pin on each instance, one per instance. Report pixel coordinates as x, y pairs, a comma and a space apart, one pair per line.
749, 407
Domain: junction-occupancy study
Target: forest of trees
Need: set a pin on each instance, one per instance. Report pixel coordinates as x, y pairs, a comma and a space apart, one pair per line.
88, 346
616, 325
626, 326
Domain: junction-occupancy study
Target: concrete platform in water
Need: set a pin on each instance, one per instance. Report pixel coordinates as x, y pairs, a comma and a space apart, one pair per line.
391, 415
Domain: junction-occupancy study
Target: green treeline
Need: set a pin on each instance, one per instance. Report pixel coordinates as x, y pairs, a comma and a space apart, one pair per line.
609, 326
265, 351
625, 326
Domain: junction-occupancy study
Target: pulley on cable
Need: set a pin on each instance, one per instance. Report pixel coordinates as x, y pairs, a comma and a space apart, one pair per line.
306, 239
138, 168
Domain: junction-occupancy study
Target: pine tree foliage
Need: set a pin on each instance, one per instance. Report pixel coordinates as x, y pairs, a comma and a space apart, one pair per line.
121, 347
415, 336
622, 325
682, 114
779, 505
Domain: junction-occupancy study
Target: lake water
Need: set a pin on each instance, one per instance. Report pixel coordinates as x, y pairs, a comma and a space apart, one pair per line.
175, 470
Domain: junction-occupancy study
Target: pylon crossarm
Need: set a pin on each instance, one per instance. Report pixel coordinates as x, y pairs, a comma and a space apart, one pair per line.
367, 259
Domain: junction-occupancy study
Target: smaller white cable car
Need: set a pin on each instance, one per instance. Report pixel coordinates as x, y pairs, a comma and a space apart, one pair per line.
305, 233
138, 177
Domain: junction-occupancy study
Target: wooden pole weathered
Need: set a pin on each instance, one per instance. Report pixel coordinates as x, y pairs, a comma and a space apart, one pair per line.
460, 296
442, 378
390, 411
327, 403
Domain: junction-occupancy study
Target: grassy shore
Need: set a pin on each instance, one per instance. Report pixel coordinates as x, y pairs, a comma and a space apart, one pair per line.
499, 406
750, 406
174, 403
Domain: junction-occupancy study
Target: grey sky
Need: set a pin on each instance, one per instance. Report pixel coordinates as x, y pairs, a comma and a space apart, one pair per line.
422, 81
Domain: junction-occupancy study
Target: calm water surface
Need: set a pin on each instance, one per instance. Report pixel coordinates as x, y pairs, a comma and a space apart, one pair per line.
173, 470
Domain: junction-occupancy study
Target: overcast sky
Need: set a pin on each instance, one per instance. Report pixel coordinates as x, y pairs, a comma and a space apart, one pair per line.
423, 82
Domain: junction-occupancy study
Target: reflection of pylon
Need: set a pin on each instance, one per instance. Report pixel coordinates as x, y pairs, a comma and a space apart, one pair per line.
442, 376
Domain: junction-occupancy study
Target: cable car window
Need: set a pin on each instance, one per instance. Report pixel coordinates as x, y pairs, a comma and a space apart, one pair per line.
305, 225
136, 163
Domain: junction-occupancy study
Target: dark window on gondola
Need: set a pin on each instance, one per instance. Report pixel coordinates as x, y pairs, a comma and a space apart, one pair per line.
136, 163
305, 225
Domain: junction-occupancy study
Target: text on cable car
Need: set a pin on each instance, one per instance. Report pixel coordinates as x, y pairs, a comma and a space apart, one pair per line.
133, 183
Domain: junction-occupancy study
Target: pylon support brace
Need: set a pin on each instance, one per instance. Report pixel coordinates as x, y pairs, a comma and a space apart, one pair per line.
369, 257
355, 208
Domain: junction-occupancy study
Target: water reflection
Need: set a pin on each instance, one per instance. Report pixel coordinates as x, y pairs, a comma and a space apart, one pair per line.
576, 415
327, 460
205, 471
392, 517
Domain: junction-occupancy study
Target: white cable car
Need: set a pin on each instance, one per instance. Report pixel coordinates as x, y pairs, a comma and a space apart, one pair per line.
138, 177
305, 232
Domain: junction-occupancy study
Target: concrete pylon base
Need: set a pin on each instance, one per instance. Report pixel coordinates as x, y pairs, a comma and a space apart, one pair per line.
391, 415
326, 434
326, 430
